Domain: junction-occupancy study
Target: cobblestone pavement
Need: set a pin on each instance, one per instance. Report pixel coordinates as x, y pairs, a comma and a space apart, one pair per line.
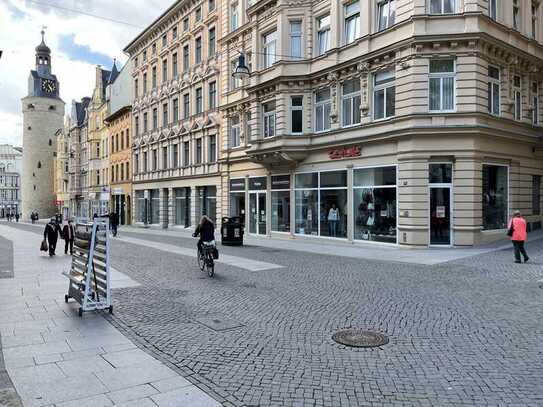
464, 333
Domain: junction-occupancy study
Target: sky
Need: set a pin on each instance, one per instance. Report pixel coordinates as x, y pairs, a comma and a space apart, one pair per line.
78, 43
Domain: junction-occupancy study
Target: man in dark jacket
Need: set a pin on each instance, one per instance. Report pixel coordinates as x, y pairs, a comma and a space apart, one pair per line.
51, 233
114, 222
68, 234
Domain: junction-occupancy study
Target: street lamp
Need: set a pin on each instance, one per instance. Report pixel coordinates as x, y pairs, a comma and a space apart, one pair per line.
241, 71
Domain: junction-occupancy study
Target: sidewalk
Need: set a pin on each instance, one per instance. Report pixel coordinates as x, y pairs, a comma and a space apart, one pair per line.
56, 359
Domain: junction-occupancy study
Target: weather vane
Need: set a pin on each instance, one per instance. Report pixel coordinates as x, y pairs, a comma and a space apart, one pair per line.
43, 28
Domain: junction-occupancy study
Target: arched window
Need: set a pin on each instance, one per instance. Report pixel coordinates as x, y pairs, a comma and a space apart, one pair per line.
39, 164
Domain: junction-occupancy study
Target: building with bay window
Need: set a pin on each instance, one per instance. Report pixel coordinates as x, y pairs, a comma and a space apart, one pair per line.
400, 122
176, 123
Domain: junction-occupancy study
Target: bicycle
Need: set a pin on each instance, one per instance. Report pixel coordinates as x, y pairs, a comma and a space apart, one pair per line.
205, 258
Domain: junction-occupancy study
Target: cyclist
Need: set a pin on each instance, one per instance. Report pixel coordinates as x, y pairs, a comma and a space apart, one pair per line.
206, 231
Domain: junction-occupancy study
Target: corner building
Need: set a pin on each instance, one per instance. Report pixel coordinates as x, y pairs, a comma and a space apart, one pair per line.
410, 122
176, 122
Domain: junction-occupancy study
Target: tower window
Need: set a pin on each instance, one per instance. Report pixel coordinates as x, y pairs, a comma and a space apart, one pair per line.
34, 187
39, 164
52, 108
50, 142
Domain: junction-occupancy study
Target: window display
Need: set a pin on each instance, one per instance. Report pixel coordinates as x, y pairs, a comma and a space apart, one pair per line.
237, 198
207, 202
182, 206
374, 204
155, 206
280, 201
495, 197
140, 206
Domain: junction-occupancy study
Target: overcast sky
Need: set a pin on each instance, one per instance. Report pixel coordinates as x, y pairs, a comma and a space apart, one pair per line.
78, 43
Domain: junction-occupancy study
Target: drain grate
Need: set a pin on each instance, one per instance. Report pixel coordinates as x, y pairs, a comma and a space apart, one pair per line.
360, 338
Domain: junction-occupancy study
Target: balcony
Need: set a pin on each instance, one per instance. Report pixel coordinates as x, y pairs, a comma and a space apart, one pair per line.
279, 152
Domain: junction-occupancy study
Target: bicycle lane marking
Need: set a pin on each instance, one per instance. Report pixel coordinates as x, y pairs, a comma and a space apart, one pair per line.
241, 262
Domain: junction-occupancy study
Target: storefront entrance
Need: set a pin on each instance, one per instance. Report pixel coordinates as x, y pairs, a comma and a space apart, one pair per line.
440, 182
257, 213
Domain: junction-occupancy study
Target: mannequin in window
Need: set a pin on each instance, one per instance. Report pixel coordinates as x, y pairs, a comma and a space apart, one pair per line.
333, 217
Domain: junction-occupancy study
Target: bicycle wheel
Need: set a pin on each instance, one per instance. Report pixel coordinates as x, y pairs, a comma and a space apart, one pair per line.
210, 265
201, 262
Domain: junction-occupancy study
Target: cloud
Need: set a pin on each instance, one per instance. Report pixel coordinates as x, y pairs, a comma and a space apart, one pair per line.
83, 53
78, 42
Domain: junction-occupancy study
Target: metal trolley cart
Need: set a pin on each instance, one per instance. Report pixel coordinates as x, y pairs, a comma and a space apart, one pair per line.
90, 282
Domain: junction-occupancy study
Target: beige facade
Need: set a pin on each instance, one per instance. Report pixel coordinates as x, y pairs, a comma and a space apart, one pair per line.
416, 129
176, 122
62, 175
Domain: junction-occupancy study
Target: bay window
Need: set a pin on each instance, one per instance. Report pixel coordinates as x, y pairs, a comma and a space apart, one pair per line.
350, 94
535, 103
493, 9
235, 129
535, 12
494, 90
296, 114
269, 119
441, 85
323, 34
384, 95
234, 16
442, 6
269, 49
322, 110
352, 21
386, 14
516, 15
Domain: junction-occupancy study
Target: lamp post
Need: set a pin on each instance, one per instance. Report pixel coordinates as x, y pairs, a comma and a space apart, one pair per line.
242, 70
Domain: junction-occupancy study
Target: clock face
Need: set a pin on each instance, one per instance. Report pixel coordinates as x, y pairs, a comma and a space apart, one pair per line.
48, 86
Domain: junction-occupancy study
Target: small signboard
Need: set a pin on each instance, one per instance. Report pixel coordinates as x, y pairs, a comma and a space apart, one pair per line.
440, 212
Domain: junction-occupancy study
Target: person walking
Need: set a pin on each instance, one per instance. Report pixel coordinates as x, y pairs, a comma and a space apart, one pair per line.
517, 232
17, 217
114, 222
68, 234
51, 233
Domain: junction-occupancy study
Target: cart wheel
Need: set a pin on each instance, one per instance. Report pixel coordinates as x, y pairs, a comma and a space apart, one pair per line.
66, 298
111, 309
80, 312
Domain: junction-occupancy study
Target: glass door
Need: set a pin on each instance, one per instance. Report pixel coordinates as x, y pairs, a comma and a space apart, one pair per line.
440, 215
257, 213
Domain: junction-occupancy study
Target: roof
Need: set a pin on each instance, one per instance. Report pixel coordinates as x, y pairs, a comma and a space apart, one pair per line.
80, 110
118, 113
9, 150
114, 73
36, 75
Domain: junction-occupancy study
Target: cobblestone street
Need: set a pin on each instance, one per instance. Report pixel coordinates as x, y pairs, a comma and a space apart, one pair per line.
467, 332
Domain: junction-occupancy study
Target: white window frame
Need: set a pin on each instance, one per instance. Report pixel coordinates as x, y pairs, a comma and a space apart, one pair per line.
322, 105
323, 32
534, 7
383, 87
495, 81
347, 20
234, 16
442, 7
441, 76
295, 36
517, 98
269, 49
517, 15
296, 109
493, 9
269, 120
235, 131
235, 82
391, 18
350, 96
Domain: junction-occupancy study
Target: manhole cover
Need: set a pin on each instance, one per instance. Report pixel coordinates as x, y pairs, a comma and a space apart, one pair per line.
360, 338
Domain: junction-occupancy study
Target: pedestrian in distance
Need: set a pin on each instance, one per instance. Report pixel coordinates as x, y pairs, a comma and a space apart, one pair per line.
517, 232
17, 217
68, 234
51, 233
114, 222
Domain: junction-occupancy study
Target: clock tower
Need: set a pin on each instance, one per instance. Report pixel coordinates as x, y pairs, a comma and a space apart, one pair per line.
43, 115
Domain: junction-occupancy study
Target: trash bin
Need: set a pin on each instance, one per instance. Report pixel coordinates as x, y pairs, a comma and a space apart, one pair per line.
232, 231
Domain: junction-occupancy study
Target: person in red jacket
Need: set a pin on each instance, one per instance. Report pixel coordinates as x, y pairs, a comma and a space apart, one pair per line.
518, 237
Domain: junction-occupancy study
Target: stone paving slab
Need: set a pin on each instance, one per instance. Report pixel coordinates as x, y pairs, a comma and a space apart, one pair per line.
57, 359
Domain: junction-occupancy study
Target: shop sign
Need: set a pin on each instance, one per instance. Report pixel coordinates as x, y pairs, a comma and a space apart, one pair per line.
258, 184
237, 184
345, 152
280, 182
117, 191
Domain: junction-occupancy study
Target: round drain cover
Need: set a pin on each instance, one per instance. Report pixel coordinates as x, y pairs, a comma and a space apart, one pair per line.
360, 338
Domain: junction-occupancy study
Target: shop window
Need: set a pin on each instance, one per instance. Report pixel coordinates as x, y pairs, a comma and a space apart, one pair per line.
321, 203
296, 114
442, 6
182, 206
322, 110
374, 204
495, 197
441, 85
386, 14
237, 198
207, 202
440, 174
280, 203
494, 90
536, 195
154, 203
323, 34
384, 95
352, 21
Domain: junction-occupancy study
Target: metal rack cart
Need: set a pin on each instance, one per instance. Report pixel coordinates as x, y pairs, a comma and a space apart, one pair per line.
90, 282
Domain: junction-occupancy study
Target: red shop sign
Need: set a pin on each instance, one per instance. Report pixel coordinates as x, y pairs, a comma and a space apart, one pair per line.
345, 152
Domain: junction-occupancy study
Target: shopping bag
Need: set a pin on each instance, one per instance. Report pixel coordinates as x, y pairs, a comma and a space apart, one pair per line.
43, 246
